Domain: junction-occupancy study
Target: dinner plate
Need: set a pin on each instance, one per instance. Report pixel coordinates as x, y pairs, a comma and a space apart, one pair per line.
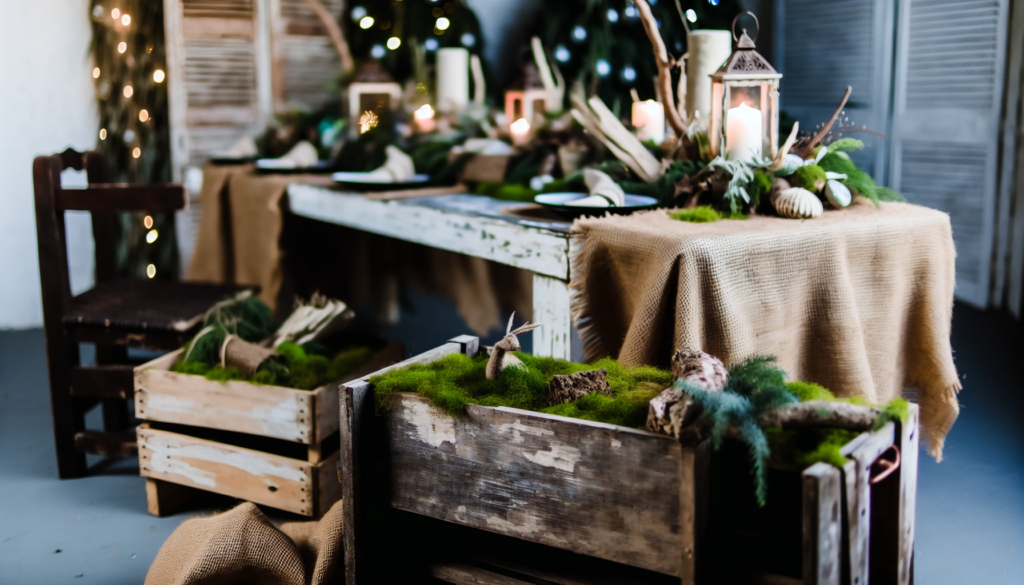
557, 203
368, 182
268, 166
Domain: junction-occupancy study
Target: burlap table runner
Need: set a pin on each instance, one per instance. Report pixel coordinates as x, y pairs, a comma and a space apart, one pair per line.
239, 242
859, 301
242, 546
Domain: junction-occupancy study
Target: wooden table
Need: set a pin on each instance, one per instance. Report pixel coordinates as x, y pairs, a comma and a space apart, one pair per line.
471, 225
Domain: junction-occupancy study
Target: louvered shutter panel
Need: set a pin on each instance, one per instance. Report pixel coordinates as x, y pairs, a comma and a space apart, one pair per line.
305, 64
822, 46
950, 63
212, 76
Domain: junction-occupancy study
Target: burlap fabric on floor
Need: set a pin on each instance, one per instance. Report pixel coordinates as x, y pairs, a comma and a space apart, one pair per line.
240, 241
242, 546
858, 300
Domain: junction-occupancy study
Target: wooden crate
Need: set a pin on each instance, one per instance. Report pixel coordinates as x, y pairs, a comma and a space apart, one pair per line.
614, 493
274, 445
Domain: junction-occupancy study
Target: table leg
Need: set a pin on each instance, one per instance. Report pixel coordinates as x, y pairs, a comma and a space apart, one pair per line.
557, 338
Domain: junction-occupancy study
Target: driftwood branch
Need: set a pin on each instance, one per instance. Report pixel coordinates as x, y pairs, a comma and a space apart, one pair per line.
781, 155
597, 119
806, 151
665, 64
550, 77
821, 414
334, 32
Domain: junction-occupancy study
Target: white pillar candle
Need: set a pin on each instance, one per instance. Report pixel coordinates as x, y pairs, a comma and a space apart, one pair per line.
452, 79
424, 116
520, 131
743, 133
708, 50
649, 121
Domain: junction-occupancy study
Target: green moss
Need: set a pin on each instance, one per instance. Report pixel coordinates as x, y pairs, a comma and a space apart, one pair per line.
457, 380
897, 409
846, 145
805, 391
810, 177
701, 214
759, 188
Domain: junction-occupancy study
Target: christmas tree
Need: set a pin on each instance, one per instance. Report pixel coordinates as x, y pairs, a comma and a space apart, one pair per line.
131, 95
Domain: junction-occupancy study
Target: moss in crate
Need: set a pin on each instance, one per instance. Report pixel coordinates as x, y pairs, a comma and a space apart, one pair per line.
457, 380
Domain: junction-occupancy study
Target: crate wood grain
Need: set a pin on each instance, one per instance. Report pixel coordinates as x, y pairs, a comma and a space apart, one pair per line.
597, 489
301, 416
281, 482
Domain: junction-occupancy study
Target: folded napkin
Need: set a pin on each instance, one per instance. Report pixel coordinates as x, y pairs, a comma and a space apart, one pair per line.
302, 155
486, 146
244, 148
604, 192
398, 167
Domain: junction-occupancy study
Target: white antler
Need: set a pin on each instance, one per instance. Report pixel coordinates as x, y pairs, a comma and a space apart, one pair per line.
508, 329
526, 327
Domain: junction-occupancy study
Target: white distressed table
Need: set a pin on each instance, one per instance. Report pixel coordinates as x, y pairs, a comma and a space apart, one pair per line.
471, 225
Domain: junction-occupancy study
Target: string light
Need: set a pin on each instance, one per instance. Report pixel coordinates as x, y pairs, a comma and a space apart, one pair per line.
613, 15
358, 13
151, 271
126, 20
376, 51
152, 236
394, 43
691, 15
103, 133
136, 152
468, 39
148, 222
366, 22
562, 54
158, 76
122, 47
115, 14
603, 67
128, 91
143, 115
95, 72
443, 23
579, 33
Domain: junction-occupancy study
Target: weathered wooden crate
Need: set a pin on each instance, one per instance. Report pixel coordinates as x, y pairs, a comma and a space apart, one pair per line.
275, 446
619, 494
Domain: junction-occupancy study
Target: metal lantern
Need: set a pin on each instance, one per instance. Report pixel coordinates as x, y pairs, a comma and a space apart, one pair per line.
527, 96
745, 102
372, 90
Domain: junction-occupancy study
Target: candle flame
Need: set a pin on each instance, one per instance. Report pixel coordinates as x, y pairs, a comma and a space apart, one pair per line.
425, 112
520, 126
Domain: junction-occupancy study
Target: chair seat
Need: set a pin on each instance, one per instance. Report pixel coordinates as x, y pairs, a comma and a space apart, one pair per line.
153, 306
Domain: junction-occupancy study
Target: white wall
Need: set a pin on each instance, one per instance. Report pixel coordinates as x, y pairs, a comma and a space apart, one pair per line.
46, 105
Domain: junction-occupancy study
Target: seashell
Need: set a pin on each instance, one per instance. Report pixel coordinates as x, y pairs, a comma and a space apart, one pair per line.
790, 163
797, 203
838, 194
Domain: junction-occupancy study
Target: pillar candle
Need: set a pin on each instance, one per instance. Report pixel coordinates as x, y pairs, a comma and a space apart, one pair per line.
649, 121
452, 79
708, 50
743, 128
424, 117
520, 131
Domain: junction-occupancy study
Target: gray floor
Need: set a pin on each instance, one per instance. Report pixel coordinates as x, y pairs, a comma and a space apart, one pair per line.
970, 513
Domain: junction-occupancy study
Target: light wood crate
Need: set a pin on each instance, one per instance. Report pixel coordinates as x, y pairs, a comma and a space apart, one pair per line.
276, 446
619, 494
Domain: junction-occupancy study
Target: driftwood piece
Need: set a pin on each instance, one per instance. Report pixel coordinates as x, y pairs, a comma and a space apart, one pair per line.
786, 146
235, 352
562, 389
335, 33
806, 150
699, 369
664, 63
822, 414
672, 411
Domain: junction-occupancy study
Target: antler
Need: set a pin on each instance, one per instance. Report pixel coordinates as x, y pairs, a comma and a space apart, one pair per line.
508, 329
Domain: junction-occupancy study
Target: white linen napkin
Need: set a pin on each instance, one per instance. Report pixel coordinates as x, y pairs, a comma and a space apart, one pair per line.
302, 155
604, 192
398, 168
245, 147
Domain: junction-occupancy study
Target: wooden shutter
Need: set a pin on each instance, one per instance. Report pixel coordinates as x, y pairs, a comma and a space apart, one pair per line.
305, 64
821, 46
950, 65
212, 52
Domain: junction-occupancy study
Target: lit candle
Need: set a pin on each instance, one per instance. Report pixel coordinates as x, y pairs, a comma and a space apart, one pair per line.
424, 117
649, 121
452, 79
520, 130
743, 133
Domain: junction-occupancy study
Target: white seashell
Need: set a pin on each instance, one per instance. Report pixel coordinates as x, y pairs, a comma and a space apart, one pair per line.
838, 194
821, 154
790, 163
797, 203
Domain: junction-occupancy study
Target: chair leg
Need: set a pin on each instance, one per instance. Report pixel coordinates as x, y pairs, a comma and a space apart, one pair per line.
67, 419
115, 410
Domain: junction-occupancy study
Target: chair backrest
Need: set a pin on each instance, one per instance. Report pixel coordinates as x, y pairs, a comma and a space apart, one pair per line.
102, 199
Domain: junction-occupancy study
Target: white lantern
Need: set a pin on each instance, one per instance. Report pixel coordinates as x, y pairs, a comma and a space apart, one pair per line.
745, 103
527, 97
372, 90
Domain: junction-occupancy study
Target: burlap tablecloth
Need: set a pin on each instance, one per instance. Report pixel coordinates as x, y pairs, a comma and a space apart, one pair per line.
242, 546
859, 301
240, 241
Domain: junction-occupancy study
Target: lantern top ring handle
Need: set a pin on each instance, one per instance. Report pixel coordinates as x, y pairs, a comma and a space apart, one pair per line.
757, 25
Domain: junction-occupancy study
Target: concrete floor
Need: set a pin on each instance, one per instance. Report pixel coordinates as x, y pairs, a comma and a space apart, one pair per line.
970, 525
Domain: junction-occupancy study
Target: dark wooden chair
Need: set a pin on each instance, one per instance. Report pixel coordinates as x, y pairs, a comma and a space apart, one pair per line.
114, 315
